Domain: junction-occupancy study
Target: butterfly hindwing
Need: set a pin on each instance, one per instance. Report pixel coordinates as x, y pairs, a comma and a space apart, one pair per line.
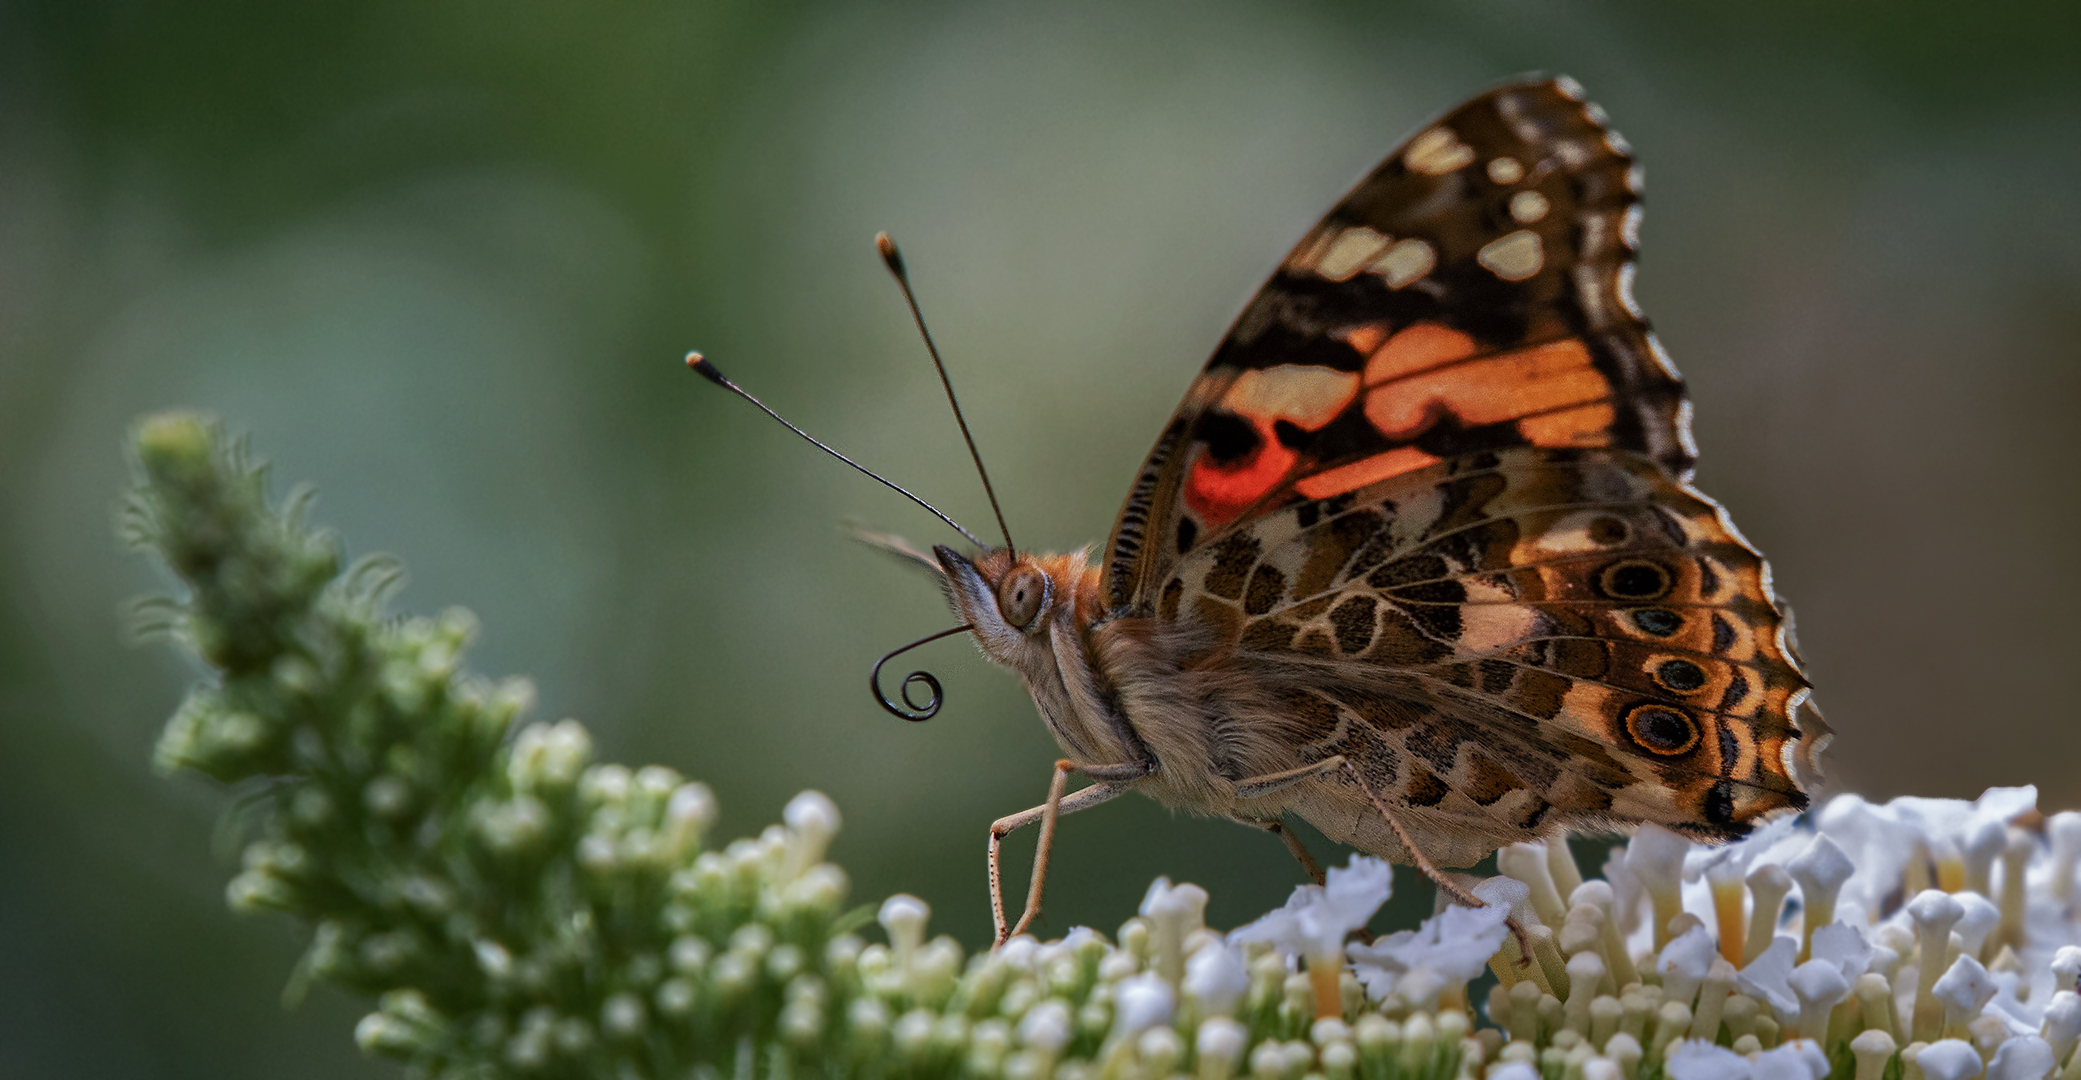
1472, 294
1508, 642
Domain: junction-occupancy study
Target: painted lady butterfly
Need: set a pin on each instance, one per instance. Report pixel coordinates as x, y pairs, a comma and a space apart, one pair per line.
1418, 559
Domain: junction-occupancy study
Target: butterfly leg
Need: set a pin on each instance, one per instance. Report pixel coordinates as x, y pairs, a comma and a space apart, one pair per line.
1445, 884
1293, 844
1047, 814
1257, 786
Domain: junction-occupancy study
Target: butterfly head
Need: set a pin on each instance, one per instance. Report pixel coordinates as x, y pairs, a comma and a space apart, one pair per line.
1011, 599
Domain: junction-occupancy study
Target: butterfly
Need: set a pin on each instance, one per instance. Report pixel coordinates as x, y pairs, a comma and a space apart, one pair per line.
1418, 560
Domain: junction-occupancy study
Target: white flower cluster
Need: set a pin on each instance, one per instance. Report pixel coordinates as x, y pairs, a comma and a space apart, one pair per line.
1936, 934
1923, 939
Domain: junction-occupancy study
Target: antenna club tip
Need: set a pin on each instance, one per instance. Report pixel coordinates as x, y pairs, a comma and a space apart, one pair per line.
890, 256
705, 369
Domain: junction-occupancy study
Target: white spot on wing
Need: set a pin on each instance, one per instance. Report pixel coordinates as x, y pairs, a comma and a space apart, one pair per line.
1308, 395
1437, 152
1528, 207
1624, 287
1635, 179
1595, 238
1513, 256
1661, 355
1487, 627
1629, 227
1568, 535
1405, 262
1568, 87
1349, 253
1505, 170
1684, 438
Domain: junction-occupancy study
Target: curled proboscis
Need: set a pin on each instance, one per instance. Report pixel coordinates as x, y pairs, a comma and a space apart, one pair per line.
911, 709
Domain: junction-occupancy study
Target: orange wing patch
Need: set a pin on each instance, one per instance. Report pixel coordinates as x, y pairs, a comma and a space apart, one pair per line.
1307, 396
1428, 372
1584, 425
1365, 471
1419, 348
1489, 390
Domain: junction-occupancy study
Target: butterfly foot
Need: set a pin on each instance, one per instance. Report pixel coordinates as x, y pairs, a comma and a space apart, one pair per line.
1045, 815
1524, 942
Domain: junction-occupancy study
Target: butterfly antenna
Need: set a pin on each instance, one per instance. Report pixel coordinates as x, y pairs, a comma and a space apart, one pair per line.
894, 260
708, 371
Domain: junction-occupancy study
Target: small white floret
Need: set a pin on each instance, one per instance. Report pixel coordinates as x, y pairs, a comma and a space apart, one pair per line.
2025, 1057
1964, 990
2063, 1022
904, 917
1844, 946
1221, 1039
1819, 986
1217, 977
1316, 918
1453, 945
1046, 1027
1684, 963
1140, 1003
1799, 1059
1949, 1059
1769, 976
1978, 919
1696, 1059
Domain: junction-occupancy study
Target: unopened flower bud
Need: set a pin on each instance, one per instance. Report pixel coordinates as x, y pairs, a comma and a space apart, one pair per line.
1820, 871
1218, 1045
1979, 849
1046, 1026
387, 796
380, 1034
1872, 1049
812, 820
904, 918
255, 891
2065, 830
1934, 914
1656, 858
560, 753
1980, 919
1819, 986
621, 1016
1527, 863
1217, 977
1768, 886
1141, 1002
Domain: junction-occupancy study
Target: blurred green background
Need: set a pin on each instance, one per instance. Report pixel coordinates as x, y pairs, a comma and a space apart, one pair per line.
442, 259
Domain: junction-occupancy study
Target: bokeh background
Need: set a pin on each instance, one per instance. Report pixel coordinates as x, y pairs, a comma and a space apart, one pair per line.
442, 259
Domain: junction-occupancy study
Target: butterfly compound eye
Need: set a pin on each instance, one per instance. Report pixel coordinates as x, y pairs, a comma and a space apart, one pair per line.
1019, 596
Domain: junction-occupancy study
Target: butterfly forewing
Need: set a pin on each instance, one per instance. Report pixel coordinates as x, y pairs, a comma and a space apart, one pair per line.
1472, 293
